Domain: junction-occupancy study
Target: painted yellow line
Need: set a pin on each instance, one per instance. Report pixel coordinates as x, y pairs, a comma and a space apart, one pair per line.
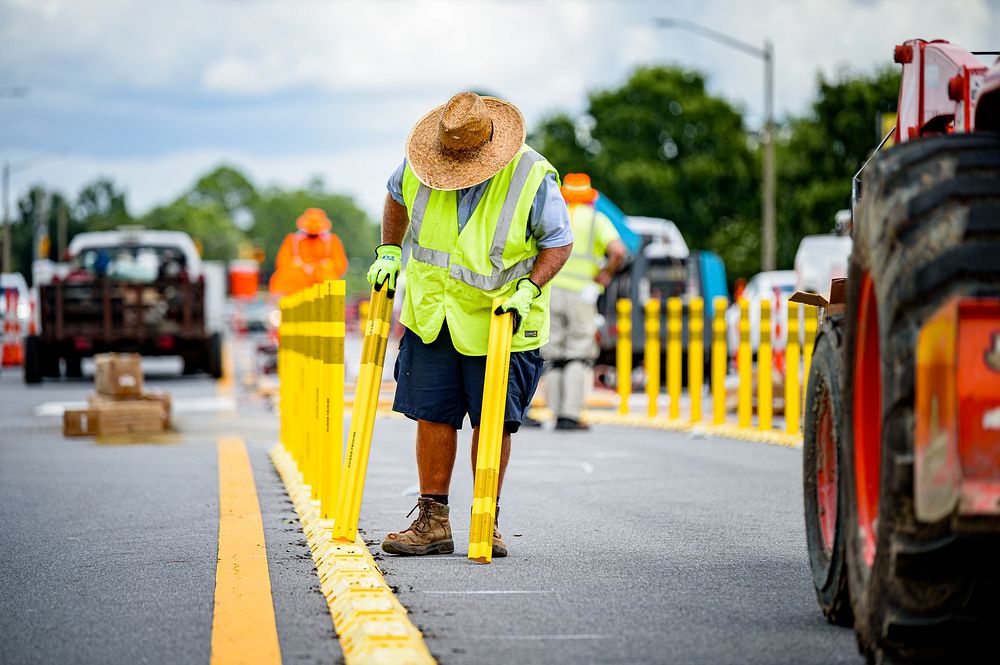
225, 383
243, 625
371, 623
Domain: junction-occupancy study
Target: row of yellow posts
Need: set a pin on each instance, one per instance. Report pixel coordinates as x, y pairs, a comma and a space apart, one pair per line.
796, 352
311, 367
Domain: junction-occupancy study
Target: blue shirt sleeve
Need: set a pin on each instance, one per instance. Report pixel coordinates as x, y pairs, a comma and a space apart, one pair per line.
395, 184
549, 218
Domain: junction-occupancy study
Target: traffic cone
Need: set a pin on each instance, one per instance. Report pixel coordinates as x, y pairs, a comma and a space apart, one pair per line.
12, 352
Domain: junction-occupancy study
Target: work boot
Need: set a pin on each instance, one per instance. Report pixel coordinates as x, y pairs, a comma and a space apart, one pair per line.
499, 547
528, 421
430, 533
571, 424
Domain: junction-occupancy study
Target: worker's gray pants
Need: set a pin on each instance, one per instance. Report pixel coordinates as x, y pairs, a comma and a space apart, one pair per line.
571, 350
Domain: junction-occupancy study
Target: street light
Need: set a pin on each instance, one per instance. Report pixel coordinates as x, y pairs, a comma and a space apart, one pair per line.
8, 169
768, 250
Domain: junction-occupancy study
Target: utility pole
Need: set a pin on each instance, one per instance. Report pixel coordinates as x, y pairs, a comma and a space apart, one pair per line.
768, 216
6, 217
61, 230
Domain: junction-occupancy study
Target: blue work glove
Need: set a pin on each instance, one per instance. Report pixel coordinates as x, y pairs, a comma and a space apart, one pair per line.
519, 304
385, 269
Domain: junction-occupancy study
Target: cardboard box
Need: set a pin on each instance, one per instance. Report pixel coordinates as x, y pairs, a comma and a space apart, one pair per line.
161, 397
118, 374
116, 417
835, 305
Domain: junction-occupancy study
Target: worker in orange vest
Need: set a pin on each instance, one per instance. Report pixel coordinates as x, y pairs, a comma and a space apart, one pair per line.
309, 256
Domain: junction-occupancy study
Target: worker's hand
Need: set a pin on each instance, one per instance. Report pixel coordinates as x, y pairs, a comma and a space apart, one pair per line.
603, 278
519, 304
385, 269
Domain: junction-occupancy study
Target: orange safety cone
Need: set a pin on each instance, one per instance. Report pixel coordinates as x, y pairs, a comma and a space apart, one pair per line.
12, 352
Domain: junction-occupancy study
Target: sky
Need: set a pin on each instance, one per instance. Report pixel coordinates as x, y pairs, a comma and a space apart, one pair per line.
154, 93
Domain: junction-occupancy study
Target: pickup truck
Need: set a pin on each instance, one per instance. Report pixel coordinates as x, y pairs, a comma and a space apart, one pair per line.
127, 290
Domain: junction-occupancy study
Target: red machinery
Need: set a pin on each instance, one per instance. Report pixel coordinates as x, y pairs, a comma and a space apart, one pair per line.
902, 429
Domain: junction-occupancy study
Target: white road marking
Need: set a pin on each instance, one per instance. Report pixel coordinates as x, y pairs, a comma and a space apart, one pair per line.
207, 404
479, 592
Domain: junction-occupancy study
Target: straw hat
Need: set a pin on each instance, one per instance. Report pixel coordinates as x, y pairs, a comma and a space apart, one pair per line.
576, 188
464, 142
313, 221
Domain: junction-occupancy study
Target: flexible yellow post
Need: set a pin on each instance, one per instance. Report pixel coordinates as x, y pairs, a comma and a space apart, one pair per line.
674, 356
765, 390
333, 396
696, 355
359, 439
809, 340
295, 384
624, 354
282, 371
719, 361
315, 372
792, 394
651, 356
484, 492
744, 361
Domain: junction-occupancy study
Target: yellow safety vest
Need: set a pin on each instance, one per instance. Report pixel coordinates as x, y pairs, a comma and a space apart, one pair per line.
583, 264
456, 276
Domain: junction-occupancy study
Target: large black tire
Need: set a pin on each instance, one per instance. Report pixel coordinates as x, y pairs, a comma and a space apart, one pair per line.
928, 228
74, 367
821, 450
32, 364
214, 365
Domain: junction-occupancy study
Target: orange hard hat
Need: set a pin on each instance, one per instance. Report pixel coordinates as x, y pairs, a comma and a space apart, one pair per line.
576, 188
313, 221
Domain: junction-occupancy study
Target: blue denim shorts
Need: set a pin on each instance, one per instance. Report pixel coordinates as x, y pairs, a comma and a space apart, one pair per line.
434, 382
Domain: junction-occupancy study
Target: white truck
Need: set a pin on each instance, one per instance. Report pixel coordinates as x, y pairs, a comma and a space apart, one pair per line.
127, 290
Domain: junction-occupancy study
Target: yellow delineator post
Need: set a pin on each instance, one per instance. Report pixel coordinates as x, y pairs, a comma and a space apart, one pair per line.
293, 391
765, 389
315, 377
623, 371
282, 370
809, 340
674, 356
359, 439
744, 361
696, 355
333, 396
792, 394
651, 356
484, 493
719, 361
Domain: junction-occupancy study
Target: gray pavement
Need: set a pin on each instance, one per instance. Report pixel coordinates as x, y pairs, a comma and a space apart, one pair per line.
626, 545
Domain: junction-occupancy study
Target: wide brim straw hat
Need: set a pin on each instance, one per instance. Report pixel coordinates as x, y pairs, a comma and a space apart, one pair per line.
464, 142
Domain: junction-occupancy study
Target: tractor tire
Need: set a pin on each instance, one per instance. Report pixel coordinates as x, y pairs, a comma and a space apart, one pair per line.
32, 364
927, 229
822, 479
214, 365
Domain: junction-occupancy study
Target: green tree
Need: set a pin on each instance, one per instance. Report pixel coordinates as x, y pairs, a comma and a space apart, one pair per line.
208, 223
102, 206
662, 146
230, 190
820, 153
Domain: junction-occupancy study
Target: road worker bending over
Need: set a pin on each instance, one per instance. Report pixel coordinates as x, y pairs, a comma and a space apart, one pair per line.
487, 221
310, 256
572, 346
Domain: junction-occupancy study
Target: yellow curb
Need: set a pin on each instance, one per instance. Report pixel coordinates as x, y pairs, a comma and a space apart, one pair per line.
371, 624
728, 431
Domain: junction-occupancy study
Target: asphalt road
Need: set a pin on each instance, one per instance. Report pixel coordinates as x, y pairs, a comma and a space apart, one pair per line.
627, 546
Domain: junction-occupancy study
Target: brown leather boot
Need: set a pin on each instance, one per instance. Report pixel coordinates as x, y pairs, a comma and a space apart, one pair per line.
499, 548
430, 533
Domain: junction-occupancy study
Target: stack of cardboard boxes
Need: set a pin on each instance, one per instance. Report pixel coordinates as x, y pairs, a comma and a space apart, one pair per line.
120, 405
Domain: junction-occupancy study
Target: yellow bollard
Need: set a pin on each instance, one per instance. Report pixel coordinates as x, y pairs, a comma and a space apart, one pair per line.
359, 439
651, 356
792, 394
484, 493
674, 356
333, 396
745, 365
294, 405
809, 340
719, 361
696, 355
283, 371
362, 314
765, 388
315, 372
624, 354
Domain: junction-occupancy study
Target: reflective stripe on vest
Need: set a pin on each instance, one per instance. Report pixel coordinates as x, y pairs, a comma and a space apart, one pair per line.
500, 275
583, 263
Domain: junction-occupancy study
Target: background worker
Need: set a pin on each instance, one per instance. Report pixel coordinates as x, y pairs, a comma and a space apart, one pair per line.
572, 346
487, 221
311, 255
